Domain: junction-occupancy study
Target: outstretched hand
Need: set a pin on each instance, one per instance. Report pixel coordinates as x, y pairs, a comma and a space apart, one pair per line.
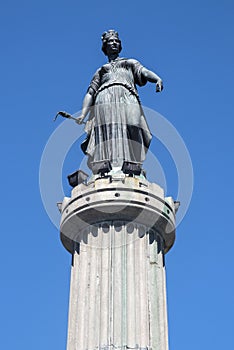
159, 86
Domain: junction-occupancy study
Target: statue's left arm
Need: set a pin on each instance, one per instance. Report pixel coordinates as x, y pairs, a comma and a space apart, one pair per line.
152, 78
142, 75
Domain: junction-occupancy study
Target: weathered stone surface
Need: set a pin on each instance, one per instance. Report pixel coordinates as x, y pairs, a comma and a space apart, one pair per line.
132, 199
118, 232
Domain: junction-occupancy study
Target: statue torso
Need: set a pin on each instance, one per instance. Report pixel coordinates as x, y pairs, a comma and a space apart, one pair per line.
122, 71
117, 71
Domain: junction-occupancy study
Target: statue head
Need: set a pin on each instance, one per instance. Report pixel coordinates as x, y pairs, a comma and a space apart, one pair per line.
106, 36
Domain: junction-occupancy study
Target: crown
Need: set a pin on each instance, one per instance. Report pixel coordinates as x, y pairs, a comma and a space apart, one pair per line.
110, 33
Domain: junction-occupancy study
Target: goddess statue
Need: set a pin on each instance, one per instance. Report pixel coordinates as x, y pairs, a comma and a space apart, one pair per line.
116, 128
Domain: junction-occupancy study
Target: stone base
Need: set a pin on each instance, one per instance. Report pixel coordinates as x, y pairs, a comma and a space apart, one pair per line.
118, 230
121, 198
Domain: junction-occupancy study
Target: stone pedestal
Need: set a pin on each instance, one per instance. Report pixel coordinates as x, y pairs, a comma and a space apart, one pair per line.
118, 230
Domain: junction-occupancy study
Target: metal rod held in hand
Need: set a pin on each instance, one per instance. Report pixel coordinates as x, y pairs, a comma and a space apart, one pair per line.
68, 116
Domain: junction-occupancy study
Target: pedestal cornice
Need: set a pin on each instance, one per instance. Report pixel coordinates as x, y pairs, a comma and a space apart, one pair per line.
125, 199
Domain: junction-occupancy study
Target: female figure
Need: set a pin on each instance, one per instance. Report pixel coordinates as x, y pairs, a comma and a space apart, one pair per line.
116, 129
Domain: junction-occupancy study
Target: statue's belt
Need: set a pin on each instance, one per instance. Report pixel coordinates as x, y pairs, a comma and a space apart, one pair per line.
128, 87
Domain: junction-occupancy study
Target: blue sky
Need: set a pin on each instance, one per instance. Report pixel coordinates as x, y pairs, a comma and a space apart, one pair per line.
49, 52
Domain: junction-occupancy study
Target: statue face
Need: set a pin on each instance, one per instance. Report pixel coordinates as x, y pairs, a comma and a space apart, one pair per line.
112, 46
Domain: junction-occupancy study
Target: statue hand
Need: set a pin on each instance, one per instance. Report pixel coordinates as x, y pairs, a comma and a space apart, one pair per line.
80, 119
159, 86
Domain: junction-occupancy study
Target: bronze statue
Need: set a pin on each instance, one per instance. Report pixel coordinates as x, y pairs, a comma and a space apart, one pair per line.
116, 129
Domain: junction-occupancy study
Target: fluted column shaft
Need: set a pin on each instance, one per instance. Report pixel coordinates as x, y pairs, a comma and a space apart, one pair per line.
118, 230
117, 296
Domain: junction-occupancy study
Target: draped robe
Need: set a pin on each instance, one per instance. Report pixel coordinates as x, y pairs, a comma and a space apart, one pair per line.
117, 129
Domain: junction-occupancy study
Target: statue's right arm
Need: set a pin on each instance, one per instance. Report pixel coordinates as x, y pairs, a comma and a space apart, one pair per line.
87, 103
89, 97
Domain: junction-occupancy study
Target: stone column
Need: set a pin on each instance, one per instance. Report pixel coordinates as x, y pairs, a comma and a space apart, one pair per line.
118, 230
